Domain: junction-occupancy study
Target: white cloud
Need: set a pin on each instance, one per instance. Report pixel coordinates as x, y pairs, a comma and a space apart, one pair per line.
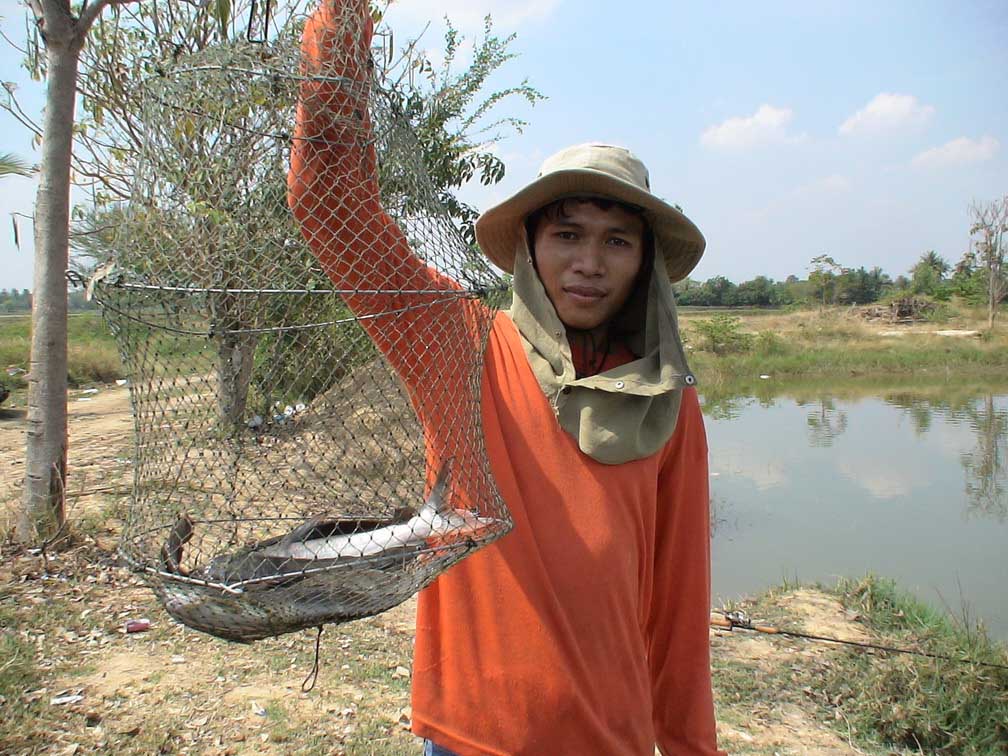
463, 54
832, 184
743, 463
959, 151
469, 16
767, 125
887, 112
881, 481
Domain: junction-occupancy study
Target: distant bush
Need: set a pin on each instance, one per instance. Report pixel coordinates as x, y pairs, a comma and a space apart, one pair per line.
768, 342
722, 334
942, 312
92, 356
95, 362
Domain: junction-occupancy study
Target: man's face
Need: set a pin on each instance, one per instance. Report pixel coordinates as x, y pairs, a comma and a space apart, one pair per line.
588, 261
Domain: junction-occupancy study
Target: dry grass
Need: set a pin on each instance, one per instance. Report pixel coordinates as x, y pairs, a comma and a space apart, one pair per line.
838, 344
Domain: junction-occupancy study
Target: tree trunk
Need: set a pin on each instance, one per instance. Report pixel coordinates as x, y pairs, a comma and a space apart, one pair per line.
996, 283
234, 371
42, 512
235, 358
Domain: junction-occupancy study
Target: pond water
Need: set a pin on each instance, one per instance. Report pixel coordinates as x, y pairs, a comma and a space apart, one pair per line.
909, 488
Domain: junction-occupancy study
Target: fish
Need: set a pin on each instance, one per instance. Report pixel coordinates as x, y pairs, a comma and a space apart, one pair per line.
321, 543
323, 571
434, 519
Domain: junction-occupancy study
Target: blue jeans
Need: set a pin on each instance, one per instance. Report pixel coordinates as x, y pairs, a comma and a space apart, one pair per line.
432, 749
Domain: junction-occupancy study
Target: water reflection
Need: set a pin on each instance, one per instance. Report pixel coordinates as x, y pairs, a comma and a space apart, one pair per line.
826, 423
986, 472
727, 407
908, 486
985, 466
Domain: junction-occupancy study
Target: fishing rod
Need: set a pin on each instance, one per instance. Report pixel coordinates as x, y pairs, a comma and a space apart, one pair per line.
740, 620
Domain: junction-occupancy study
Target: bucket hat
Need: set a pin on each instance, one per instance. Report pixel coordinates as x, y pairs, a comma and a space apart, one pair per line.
592, 170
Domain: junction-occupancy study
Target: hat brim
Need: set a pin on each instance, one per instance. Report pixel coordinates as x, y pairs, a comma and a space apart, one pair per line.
500, 230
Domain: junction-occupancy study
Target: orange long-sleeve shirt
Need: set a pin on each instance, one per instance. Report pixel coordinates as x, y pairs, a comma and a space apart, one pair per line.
584, 630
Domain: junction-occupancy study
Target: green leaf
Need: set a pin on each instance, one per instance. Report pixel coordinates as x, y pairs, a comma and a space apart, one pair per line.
10, 164
222, 12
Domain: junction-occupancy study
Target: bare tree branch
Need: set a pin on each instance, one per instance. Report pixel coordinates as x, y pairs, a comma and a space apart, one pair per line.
37, 10
990, 229
9, 41
91, 12
13, 107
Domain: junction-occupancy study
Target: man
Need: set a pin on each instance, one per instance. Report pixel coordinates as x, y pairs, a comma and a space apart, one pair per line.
585, 629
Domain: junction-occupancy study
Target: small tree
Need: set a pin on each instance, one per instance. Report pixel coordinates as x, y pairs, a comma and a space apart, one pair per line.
759, 292
448, 109
989, 230
928, 274
62, 33
723, 333
718, 292
210, 209
967, 280
861, 286
824, 271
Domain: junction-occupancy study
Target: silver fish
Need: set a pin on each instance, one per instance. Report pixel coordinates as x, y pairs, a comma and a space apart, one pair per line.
319, 544
435, 518
323, 571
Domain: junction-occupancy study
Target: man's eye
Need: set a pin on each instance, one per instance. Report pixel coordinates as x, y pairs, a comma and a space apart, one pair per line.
568, 235
619, 242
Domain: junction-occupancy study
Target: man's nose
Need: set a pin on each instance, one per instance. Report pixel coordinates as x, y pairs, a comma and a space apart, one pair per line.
590, 260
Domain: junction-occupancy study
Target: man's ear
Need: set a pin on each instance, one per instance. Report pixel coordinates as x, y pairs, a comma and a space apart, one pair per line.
531, 226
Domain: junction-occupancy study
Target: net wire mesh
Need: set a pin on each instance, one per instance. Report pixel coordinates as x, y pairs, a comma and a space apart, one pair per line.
303, 327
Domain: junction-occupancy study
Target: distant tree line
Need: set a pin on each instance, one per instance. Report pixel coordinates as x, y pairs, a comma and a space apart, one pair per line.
830, 283
13, 300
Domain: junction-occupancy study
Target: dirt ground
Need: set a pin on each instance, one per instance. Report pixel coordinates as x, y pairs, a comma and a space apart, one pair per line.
169, 689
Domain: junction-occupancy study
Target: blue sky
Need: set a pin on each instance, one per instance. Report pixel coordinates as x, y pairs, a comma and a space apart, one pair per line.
784, 129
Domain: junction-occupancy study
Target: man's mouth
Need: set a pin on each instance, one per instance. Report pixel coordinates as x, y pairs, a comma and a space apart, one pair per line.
584, 293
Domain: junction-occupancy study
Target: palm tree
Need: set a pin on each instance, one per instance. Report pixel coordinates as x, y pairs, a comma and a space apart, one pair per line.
936, 262
929, 272
11, 164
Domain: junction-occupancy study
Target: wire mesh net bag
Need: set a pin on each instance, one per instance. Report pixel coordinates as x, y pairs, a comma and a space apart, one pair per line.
303, 328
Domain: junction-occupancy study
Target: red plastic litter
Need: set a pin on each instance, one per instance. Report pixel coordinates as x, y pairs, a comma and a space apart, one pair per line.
137, 625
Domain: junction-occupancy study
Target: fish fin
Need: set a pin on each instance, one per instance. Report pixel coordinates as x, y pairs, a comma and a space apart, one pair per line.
301, 533
401, 515
437, 501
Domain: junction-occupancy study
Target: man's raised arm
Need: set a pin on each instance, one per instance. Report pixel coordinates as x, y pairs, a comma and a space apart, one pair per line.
334, 194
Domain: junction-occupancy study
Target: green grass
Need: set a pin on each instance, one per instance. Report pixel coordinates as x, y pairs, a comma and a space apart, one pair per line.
838, 363
881, 700
933, 705
92, 355
788, 346
18, 676
813, 346
25, 688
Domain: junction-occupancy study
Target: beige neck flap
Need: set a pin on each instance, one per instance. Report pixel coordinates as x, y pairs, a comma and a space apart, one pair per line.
625, 413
